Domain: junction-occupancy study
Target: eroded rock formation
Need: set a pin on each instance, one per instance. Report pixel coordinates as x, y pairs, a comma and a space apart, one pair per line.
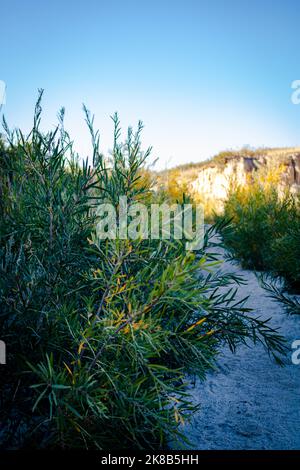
213, 180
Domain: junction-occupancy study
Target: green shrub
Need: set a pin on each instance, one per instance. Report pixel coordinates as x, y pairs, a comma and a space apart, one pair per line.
102, 335
285, 255
264, 232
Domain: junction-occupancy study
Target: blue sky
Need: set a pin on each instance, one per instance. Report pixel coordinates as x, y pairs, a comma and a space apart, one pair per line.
203, 75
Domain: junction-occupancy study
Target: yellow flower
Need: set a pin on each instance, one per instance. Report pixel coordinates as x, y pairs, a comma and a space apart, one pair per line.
136, 325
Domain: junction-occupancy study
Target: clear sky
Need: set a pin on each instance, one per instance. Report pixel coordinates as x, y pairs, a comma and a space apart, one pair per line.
203, 75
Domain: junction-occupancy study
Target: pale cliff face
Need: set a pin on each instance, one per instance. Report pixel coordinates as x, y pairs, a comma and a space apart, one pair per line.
212, 182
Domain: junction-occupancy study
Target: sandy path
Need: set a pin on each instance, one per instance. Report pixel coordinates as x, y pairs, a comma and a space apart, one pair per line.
251, 403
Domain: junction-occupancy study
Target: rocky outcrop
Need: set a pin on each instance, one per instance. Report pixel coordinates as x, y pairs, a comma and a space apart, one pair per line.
213, 180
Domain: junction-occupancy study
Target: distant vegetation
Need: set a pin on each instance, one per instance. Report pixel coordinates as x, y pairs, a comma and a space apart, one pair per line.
224, 156
264, 229
179, 180
264, 233
102, 335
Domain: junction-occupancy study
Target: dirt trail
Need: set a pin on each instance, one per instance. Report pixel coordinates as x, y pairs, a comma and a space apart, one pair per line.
250, 403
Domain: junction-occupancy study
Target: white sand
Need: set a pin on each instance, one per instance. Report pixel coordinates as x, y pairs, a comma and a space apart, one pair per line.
251, 403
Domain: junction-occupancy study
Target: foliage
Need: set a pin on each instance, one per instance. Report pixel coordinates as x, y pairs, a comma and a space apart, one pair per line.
102, 335
290, 303
264, 232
